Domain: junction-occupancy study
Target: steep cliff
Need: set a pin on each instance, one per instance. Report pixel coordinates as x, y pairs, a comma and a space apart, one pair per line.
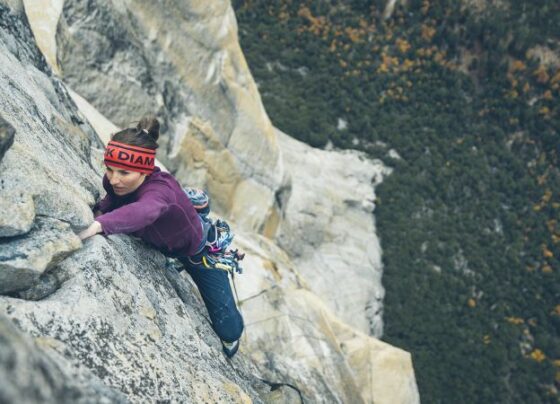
130, 58
460, 98
329, 229
178, 60
111, 320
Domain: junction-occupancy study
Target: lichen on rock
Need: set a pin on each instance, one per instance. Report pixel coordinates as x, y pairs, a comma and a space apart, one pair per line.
24, 259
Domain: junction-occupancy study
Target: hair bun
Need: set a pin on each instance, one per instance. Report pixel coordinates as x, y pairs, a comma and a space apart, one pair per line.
150, 125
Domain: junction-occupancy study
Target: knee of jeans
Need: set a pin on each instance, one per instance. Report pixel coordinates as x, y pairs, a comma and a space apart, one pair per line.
230, 331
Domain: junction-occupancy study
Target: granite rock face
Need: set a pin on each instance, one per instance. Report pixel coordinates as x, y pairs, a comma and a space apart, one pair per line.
24, 259
19, 212
50, 156
181, 61
31, 372
6, 137
328, 229
119, 316
111, 320
294, 337
47, 178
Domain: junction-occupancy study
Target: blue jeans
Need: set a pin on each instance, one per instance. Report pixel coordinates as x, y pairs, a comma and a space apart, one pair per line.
216, 292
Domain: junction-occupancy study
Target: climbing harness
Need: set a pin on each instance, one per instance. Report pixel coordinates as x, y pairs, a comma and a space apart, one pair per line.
228, 261
215, 254
222, 236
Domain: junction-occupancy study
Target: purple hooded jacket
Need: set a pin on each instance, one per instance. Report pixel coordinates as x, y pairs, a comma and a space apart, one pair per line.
159, 212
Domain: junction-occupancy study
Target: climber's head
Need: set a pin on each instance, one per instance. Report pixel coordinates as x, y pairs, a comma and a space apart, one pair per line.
130, 155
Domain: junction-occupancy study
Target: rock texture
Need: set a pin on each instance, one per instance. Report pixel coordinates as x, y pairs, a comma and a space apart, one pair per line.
47, 179
124, 321
6, 137
111, 320
179, 60
48, 16
294, 337
19, 212
201, 159
329, 230
31, 372
24, 259
182, 60
47, 171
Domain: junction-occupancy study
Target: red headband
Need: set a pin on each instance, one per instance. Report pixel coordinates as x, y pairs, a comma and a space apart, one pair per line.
131, 158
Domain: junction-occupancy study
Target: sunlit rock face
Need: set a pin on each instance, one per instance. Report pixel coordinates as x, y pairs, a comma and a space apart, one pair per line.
182, 61
293, 336
25, 259
111, 319
329, 230
179, 60
32, 373
47, 179
107, 311
120, 314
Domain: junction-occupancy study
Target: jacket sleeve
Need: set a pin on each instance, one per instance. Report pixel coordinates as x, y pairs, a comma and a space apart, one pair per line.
139, 214
104, 205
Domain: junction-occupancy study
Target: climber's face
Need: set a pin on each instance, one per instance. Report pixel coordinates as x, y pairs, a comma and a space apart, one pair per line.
123, 181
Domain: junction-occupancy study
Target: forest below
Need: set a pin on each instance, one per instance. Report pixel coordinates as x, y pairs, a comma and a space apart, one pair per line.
461, 98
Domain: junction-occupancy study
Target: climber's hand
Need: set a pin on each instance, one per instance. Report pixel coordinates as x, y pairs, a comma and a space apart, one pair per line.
92, 230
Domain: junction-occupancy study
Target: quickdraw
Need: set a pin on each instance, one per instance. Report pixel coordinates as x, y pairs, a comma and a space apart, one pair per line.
229, 261
222, 237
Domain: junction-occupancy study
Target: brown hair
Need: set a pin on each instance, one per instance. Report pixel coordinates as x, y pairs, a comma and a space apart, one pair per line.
145, 134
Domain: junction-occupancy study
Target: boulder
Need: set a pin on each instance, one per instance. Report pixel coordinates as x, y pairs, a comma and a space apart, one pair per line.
17, 212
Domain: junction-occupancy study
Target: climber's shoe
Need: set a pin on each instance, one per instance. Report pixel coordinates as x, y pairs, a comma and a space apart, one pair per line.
230, 348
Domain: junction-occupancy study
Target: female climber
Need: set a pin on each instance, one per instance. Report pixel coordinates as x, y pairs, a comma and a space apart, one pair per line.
150, 204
